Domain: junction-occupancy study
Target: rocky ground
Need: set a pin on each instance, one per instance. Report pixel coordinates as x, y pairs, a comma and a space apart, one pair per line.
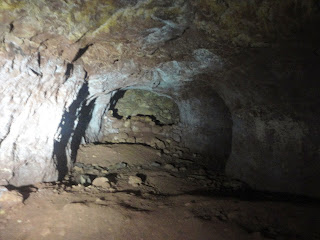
125, 191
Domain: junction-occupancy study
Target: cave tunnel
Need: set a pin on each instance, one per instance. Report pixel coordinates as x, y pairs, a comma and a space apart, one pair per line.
157, 119
199, 130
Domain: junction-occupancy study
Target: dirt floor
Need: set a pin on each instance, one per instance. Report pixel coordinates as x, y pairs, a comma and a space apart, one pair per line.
121, 192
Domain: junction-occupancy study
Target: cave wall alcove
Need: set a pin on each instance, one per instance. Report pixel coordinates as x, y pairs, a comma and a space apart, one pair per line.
194, 123
244, 76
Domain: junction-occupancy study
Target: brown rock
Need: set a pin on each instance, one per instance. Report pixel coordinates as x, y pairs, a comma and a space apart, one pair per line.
102, 182
135, 181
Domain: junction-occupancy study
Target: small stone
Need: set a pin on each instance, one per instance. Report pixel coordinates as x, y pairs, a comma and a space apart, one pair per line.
175, 170
83, 179
169, 166
160, 144
166, 151
135, 181
78, 169
159, 154
176, 138
77, 187
101, 182
155, 164
122, 136
127, 124
99, 200
111, 190
180, 153
121, 165
182, 169
93, 172
135, 129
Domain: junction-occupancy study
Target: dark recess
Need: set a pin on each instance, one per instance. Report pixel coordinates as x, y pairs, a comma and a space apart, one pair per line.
69, 71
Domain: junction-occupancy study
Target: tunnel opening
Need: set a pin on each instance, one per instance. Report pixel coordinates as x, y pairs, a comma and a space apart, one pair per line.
196, 129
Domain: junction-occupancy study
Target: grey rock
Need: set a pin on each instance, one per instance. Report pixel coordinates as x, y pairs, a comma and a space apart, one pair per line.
169, 166
155, 164
82, 179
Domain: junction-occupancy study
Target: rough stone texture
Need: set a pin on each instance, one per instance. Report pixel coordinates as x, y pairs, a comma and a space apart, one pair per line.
62, 61
101, 182
143, 130
140, 102
10, 198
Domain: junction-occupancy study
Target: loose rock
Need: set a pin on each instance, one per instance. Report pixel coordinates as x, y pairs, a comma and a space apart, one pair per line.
155, 164
169, 166
135, 181
101, 182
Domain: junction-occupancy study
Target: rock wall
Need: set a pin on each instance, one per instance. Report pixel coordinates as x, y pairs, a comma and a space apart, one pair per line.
141, 102
243, 74
143, 130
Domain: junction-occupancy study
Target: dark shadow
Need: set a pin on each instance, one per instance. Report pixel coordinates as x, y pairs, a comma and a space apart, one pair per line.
79, 133
215, 126
81, 52
255, 196
25, 191
113, 101
155, 120
69, 71
133, 208
112, 177
67, 125
142, 176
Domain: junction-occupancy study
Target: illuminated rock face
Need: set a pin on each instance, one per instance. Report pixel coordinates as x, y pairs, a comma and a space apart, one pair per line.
62, 61
135, 102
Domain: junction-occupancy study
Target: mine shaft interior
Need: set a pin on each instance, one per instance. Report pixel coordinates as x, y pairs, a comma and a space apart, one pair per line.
158, 119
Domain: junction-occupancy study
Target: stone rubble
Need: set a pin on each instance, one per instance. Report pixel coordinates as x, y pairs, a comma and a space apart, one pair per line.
143, 130
121, 176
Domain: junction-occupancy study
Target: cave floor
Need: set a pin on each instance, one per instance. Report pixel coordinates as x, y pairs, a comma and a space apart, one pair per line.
150, 196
